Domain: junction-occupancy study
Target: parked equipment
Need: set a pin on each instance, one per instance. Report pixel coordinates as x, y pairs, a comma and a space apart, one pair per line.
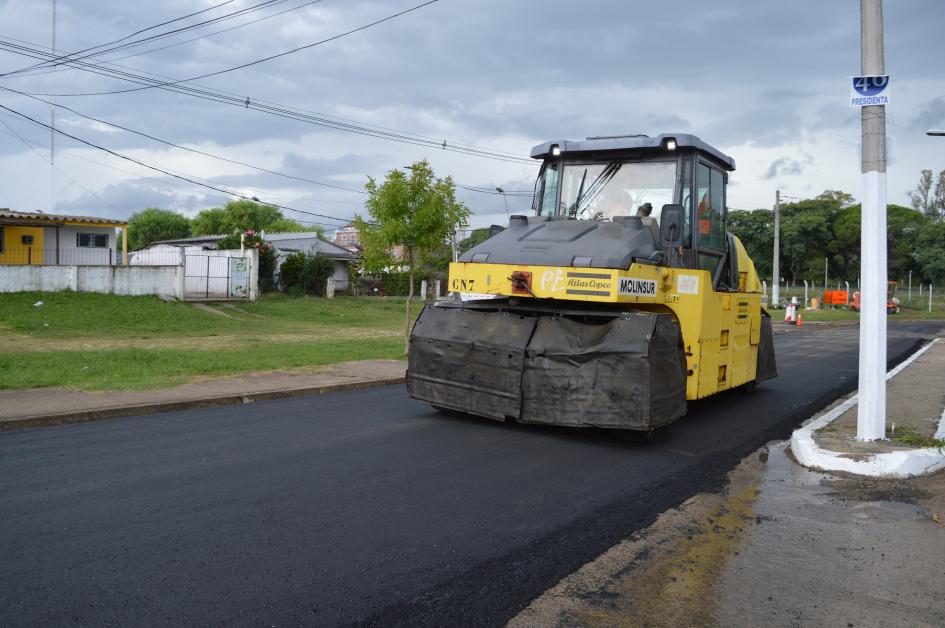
893, 304
619, 300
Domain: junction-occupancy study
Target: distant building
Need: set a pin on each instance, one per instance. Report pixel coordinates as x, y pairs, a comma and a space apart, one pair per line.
40, 238
348, 238
285, 244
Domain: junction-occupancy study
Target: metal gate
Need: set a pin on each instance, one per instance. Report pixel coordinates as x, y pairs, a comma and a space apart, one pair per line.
216, 277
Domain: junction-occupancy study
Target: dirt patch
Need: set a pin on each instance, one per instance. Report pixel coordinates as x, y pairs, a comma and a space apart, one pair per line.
921, 490
663, 575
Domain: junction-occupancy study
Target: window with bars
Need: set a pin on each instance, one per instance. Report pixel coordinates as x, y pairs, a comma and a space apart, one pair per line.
91, 240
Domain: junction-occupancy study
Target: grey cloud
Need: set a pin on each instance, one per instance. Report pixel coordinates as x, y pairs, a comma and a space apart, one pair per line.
131, 197
732, 72
931, 116
786, 167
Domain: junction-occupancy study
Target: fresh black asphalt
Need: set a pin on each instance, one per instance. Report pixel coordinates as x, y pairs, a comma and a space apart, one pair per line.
357, 507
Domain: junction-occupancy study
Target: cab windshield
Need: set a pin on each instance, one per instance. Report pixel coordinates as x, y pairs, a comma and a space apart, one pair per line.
603, 190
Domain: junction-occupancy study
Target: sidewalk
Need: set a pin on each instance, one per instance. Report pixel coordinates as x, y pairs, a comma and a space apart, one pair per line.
55, 406
782, 545
915, 425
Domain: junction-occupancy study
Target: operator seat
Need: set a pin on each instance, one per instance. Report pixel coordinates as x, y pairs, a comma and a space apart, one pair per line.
653, 226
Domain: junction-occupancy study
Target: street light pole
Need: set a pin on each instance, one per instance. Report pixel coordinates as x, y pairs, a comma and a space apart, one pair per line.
502, 192
871, 409
776, 289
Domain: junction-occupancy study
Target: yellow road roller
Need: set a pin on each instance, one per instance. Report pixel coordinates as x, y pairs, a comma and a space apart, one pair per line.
619, 300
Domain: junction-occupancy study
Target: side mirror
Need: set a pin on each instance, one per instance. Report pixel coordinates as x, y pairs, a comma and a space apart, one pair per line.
672, 219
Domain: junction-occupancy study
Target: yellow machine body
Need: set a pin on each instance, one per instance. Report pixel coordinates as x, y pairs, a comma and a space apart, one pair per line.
720, 330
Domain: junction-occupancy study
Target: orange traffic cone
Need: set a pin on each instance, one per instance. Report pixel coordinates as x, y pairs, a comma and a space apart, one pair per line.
800, 320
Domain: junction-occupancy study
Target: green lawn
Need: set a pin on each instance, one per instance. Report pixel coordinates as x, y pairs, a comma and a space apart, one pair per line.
98, 342
156, 368
91, 315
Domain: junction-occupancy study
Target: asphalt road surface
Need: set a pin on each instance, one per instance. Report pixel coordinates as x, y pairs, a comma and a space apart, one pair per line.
358, 507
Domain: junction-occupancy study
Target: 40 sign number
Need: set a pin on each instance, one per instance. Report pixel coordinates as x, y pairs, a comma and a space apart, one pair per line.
866, 91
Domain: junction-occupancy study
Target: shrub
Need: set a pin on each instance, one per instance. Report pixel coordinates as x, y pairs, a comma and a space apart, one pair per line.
304, 274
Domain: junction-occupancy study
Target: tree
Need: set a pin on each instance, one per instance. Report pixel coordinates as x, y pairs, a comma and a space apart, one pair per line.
841, 199
286, 225
242, 215
930, 252
153, 224
920, 196
477, 237
756, 231
417, 212
938, 200
209, 222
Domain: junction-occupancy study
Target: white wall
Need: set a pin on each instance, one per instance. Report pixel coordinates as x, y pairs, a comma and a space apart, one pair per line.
69, 253
122, 280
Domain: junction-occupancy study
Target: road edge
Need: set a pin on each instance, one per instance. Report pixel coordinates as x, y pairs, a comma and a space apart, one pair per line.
117, 412
895, 464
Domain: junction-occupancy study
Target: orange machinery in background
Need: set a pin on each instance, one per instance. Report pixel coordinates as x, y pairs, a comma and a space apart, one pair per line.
893, 305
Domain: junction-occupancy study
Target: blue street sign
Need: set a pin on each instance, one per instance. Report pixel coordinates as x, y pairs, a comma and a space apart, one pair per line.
869, 90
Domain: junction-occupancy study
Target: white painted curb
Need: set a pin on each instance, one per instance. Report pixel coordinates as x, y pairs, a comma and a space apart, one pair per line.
896, 464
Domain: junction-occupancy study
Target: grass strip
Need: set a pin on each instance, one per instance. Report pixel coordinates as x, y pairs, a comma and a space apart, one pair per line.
136, 369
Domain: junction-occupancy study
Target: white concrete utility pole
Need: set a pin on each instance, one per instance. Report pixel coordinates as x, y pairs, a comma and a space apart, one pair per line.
871, 410
775, 265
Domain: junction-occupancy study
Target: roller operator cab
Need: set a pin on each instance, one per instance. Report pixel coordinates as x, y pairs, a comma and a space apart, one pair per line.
621, 298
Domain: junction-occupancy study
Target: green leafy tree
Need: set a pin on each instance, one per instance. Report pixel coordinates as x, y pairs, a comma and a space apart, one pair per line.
930, 252
477, 237
417, 212
242, 215
755, 229
209, 222
153, 224
246, 215
287, 225
836, 197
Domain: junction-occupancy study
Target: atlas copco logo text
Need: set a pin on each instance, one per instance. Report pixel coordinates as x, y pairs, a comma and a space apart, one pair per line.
638, 287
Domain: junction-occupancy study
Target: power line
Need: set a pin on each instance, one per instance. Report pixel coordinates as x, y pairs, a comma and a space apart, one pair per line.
522, 193
164, 171
284, 111
257, 61
72, 56
58, 169
178, 146
163, 184
242, 100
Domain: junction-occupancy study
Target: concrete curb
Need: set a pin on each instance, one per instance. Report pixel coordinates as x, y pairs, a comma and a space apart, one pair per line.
896, 464
115, 412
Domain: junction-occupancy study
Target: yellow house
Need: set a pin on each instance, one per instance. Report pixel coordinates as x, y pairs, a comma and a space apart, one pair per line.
38, 238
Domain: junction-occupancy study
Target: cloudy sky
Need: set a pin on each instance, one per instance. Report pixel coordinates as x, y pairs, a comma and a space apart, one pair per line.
767, 82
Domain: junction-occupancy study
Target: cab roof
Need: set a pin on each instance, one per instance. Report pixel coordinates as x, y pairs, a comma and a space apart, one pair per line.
630, 143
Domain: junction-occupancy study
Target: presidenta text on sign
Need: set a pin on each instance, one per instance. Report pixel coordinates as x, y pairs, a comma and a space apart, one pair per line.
866, 91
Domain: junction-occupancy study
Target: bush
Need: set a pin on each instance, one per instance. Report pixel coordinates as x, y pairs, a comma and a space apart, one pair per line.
398, 284
304, 274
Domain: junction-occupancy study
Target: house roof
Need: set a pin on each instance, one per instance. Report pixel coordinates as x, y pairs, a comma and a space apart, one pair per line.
197, 240
321, 246
9, 216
